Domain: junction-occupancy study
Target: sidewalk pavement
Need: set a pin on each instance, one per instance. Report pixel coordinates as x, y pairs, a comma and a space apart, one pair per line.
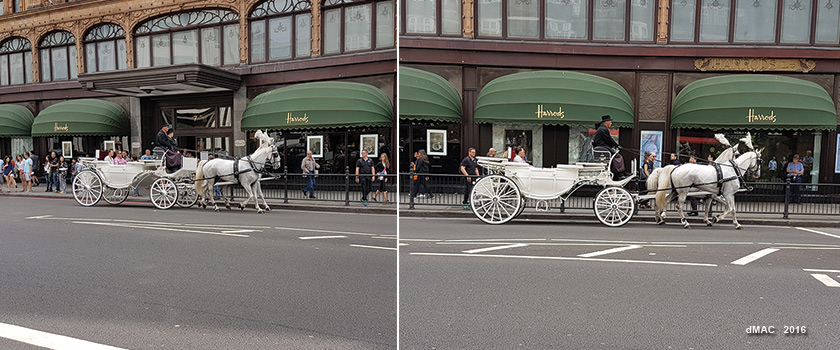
579, 216
294, 204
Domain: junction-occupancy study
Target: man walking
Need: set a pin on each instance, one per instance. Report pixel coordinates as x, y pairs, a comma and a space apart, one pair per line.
308, 166
365, 166
35, 166
469, 167
795, 169
27, 173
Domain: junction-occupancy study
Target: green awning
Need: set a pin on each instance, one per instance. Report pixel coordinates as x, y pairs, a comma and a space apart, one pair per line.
747, 101
553, 97
83, 117
319, 105
15, 121
427, 96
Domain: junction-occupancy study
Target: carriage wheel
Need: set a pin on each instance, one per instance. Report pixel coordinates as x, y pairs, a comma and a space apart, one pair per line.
496, 199
164, 193
87, 188
614, 206
115, 196
521, 209
187, 196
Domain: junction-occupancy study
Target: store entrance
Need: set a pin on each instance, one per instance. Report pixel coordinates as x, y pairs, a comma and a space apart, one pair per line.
200, 129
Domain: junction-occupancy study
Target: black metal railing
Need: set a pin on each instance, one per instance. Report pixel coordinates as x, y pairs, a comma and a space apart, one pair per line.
764, 198
328, 187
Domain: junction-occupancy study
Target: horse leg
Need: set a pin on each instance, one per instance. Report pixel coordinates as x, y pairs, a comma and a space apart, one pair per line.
259, 194
680, 205
207, 195
727, 206
730, 202
250, 192
254, 190
708, 212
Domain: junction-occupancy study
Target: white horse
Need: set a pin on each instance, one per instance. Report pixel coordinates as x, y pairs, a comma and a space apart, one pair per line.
247, 173
705, 178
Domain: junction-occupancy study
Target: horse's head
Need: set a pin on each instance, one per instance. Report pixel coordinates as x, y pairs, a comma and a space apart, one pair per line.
274, 158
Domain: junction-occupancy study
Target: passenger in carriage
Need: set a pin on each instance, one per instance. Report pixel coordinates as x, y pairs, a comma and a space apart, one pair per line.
519, 157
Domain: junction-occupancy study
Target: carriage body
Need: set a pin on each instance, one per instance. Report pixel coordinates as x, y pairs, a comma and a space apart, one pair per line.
114, 183
500, 197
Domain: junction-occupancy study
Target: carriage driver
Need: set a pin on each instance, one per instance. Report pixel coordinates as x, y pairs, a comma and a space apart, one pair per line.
162, 140
603, 142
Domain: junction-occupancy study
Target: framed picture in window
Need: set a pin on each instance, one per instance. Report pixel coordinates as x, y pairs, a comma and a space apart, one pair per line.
436, 142
110, 145
651, 142
67, 149
316, 145
369, 143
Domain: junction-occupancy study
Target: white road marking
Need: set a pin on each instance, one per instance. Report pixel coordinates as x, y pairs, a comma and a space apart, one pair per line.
598, 241
321, 237
39, 217
402, 244
819, 270
826, 280
323, 231
372, 247
496, 239
709, 243
754, 256
239, 231
231, 226
565, 258
817, 232
609, 251
160, 228
479, 250
48, 340
419, 240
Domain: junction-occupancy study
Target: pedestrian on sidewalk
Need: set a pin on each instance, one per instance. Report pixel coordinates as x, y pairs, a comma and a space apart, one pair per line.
382, 170
2, 179
421, 168
62, 175
795, 169
365, 166
75, 168
469, 168
19, 172
35, 165
309, 167
675, 160
26, 174
47, 168
9, 173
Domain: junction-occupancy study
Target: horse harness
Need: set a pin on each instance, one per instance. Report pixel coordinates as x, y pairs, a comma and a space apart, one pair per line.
720, 179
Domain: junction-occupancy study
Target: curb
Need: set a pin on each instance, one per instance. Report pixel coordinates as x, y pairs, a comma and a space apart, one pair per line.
323, 207
583, 218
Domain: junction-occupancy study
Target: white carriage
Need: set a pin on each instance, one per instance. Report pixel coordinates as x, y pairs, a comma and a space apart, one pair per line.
114, 183
499, 198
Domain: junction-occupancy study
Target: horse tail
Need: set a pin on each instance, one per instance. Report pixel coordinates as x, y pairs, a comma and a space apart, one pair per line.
664, 182
653, 179
199, 176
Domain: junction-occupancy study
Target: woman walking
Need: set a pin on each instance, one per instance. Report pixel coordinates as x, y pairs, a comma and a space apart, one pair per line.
9, 173
62, 175
647, 169
382, 170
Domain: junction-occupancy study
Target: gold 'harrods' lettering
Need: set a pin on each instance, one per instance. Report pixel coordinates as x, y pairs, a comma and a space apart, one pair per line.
752, 117
549, 113
292, 120
61, 128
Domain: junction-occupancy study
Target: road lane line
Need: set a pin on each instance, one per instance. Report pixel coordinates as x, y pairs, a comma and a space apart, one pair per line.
754, 256
826, 280
161, 228
496, 240
323, 231
371, 247
479, 250
597, 241
230, 226
239, 231
820, 270
321, 237
419, 240
48, 340
817, 232
39, 217
609, 251
565, 258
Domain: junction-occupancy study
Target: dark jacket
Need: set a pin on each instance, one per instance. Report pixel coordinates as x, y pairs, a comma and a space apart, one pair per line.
602, 137
421, 167
163, 141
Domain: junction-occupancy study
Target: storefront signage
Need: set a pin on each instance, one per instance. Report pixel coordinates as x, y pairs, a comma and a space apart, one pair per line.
239, 143
542, 112
753, 118
64, 127
754, 64
296, 120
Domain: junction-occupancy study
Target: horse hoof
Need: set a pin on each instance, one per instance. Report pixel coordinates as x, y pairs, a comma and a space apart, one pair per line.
662, 222
709, 224
737, 227
714, 219
217, 209
267, 209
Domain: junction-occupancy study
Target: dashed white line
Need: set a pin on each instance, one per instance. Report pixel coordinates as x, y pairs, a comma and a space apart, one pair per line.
48, 340
372, 247
609, 251
160, 228
754, 256
820, 270
239, 231
323, 231
479, 250
564, 258
828, 281
321, 237
39, 217
817, 232
496, 240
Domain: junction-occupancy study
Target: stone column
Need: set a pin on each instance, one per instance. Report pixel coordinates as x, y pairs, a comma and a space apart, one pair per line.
240, 101
135, 120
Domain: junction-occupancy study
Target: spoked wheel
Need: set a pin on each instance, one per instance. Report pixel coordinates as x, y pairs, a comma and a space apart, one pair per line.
187, 196
521, 209
164, 193
87, 188
115, 196
496, 199
614, 206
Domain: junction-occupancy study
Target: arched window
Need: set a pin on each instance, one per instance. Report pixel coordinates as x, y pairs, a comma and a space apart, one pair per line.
210, 37
274, 24
58, 56
357, 25
15, 61
105, 48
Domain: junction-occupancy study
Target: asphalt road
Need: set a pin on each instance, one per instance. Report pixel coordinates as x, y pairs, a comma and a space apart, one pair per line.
134, 277
552, 285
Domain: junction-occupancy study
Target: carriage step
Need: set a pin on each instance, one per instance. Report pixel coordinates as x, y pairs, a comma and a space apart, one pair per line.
542, 206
